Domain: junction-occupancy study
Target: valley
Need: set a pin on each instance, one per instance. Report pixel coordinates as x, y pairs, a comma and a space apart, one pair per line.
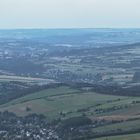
70, 84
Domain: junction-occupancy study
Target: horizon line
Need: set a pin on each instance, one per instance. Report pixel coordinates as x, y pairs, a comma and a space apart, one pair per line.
65, 28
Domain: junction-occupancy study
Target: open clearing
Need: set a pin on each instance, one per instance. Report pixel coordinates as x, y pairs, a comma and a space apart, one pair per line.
72, 101
5, 78
123, 137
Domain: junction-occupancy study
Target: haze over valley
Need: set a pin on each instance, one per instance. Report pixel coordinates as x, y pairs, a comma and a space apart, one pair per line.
75, 84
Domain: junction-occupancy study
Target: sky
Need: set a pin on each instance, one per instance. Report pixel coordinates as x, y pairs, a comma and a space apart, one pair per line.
69, 14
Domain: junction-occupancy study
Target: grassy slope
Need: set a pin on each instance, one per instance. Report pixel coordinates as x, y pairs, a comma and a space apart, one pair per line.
123, 137
64, 99
50, 102
127, 125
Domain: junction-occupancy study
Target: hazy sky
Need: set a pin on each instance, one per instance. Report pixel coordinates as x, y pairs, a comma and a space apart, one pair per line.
69, 13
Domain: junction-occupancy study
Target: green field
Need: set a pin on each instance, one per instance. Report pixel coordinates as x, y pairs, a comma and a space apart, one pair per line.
123, 137
65, 102
127, 126
61, 99
65, 99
